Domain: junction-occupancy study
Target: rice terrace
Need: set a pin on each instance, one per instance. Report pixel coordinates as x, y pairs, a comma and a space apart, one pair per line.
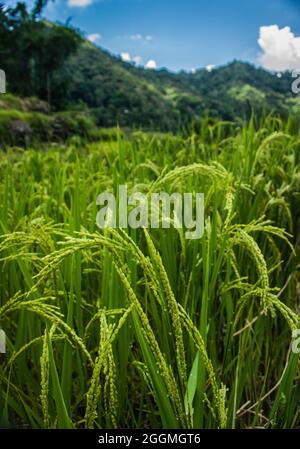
118, 313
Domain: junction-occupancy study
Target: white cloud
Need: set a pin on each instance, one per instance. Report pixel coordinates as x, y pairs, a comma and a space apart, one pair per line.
94, 37
151, 64
140, 37
137, 59
281, 48
125, 56
79, 3
210, 67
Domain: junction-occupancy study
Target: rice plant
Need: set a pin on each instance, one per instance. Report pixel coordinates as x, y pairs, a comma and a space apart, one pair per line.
141, 328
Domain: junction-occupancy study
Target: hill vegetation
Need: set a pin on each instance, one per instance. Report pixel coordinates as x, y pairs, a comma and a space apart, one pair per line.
54, 63
141, 327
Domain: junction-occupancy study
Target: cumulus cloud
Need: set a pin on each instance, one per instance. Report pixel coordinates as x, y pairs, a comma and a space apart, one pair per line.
79, 3
281, 48
151, 64
125, 56
210, 67
94, 37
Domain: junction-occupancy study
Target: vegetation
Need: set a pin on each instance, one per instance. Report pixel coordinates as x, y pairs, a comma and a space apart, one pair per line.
56, 64
32, 50
132, 96
142, 328
24, 122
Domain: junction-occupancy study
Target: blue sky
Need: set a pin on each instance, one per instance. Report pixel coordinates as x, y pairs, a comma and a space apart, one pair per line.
187, 34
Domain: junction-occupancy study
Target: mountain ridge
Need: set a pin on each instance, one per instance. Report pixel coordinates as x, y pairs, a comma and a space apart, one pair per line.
55, 63
118, 91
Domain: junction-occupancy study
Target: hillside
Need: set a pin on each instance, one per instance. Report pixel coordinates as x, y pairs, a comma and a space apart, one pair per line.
118, 91
56, 64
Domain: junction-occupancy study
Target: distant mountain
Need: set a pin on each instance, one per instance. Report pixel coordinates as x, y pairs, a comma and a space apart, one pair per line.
116, 91
56, 64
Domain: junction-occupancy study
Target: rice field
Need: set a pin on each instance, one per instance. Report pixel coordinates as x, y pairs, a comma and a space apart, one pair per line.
142, 328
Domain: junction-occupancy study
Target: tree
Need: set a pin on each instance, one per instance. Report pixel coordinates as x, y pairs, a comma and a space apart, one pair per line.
32, 49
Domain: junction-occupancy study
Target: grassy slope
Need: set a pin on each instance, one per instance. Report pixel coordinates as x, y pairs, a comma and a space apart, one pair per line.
24, 121
117, 92
164, 99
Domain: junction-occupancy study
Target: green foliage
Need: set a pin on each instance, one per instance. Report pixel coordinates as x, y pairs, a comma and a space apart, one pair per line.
55, 64
118, 92
142, 328
27, 127
32, 50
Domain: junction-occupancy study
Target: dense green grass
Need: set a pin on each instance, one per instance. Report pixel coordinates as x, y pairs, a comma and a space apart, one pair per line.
142, 328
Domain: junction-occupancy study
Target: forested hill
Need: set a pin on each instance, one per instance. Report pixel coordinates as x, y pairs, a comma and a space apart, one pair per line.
56, 64
135, 95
